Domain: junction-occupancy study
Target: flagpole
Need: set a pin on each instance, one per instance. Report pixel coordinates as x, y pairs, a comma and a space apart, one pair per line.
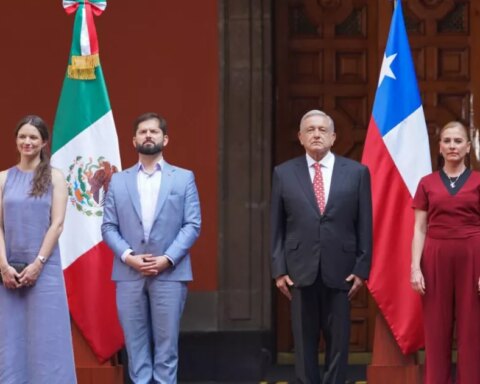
388, 364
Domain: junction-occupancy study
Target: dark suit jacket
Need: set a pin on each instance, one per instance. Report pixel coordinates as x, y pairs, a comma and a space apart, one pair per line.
339, 242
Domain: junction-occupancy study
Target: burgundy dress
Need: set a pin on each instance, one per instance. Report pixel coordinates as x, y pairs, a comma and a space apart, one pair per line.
451, 268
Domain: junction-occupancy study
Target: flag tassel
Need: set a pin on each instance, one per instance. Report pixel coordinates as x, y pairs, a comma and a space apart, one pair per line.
83, 67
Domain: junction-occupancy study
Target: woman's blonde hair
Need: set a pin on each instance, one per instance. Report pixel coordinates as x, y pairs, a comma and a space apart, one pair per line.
453, 124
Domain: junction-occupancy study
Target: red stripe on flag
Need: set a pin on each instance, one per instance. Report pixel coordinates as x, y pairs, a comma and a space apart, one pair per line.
92, 31
71, 9
91, 298
393, 220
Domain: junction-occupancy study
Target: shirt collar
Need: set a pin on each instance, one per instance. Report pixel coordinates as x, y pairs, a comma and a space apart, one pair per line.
158, 166
326, 162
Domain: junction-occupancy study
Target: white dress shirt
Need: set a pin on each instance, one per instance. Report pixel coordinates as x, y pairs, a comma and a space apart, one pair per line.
326, 166
148, 185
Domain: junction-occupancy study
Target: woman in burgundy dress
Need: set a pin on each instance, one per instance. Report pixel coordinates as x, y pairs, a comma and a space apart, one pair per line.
446, 260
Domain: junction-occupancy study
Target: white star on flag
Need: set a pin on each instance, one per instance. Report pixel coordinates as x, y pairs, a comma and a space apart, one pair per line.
386, 70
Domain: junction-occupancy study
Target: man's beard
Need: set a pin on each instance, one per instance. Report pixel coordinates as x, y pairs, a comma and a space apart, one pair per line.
149, 149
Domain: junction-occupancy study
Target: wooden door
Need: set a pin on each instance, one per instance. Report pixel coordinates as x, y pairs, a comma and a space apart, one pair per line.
328, 56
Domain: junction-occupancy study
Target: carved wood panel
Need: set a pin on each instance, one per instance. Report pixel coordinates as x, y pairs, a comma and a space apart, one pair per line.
328, 57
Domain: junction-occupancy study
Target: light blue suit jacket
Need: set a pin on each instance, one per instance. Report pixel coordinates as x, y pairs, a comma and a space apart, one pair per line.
175, 228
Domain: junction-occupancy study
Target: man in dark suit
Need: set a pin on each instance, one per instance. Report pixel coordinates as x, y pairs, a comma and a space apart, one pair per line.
321, 222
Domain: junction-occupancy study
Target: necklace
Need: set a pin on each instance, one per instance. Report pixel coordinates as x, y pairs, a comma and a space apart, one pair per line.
453, 180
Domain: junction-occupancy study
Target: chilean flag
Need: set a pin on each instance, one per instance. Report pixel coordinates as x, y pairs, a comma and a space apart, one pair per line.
398, 156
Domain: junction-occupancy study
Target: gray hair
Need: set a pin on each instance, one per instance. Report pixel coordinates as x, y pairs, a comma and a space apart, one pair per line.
316, 112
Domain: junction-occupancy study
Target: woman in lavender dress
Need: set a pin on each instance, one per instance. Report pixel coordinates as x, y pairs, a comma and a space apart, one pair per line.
35, 336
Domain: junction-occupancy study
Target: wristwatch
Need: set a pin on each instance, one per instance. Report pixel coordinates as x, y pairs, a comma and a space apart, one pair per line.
42, 259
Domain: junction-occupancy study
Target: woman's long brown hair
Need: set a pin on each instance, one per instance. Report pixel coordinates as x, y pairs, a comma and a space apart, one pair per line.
42, 177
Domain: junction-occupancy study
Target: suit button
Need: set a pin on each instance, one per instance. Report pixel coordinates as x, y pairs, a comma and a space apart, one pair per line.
143, 241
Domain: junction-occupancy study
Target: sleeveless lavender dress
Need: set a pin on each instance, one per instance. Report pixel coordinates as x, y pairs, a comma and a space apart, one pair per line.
35, 335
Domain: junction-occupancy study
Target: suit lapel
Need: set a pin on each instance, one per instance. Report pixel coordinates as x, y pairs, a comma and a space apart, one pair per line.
303, 176
132, 188
165, 187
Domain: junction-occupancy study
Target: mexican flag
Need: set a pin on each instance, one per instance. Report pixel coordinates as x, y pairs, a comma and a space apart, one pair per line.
85, 148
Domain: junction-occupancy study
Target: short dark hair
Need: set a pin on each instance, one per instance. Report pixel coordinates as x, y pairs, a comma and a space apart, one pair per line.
149, 116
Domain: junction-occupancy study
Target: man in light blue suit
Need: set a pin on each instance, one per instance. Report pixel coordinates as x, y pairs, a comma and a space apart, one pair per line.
151, 220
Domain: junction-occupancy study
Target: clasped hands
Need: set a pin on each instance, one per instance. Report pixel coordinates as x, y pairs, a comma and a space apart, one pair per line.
147, 264
27, 278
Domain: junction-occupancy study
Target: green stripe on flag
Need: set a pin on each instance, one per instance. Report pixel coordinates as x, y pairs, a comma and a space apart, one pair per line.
75, 50
82, 102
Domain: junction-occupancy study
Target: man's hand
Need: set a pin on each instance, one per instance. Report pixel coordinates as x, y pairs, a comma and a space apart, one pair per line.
147, 264
284, 283
154, 265
357, 284
137, 261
